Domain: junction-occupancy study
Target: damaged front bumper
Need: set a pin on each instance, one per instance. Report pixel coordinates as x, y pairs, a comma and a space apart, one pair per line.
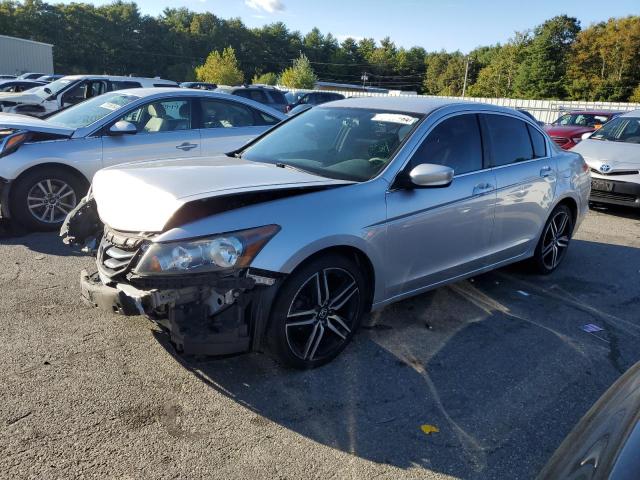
220, 317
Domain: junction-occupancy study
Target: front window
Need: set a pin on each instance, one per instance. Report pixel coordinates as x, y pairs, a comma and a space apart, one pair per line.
621, 129
91, 111
342, 143
53, 88
161, 116
581, 120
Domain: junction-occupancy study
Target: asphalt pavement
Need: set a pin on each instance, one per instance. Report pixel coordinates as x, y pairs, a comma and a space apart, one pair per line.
481, 379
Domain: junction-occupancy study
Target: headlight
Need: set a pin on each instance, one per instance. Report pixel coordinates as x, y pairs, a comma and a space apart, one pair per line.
12, 142
220, 252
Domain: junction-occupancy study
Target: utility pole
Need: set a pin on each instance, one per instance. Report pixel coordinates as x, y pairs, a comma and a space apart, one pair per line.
364, 79
466, 76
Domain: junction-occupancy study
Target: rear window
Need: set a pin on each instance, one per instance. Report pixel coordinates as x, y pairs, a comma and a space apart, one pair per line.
509, 140
121, 85
537, 140
255, 95
277, 97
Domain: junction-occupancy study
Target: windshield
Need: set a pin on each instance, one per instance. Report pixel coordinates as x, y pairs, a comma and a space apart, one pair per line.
621, 129
53, 88
581, 120
92, 110
342, 143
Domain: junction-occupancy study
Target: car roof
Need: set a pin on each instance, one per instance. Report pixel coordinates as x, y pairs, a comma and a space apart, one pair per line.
592, 112
632, 113
191, 92
414, 104
117, 77
21, 80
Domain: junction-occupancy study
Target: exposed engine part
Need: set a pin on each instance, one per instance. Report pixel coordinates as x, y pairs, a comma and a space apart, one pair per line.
83, 227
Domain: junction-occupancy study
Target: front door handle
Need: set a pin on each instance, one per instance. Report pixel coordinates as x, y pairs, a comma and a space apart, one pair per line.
186, 146
482, 188
546, 171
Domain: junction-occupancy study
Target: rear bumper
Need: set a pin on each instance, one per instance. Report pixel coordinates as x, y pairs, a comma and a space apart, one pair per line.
615, 192
186, 315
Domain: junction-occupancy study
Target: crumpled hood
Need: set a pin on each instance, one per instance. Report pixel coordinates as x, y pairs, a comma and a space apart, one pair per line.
16, 121
142, 197
21, 97
567, 131
619, 155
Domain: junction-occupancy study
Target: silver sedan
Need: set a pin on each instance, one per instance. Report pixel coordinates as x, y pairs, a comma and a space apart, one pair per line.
46, 165
285, 244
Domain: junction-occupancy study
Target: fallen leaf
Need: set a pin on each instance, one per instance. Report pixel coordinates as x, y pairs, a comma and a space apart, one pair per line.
429, 429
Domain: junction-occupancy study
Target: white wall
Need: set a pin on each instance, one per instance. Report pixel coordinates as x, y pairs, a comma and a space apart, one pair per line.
544, 110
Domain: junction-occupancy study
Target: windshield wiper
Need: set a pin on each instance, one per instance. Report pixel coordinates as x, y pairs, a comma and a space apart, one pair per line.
286, 165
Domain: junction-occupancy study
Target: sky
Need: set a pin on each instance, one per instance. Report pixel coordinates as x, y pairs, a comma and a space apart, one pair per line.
432, 24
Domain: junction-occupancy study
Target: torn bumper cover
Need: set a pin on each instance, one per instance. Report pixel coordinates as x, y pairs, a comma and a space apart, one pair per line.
217, 318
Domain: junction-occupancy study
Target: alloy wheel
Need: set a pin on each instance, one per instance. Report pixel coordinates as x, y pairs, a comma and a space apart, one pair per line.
556, 239
50, 200
322, 314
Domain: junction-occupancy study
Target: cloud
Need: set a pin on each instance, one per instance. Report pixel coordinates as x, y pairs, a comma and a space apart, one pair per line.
270, 6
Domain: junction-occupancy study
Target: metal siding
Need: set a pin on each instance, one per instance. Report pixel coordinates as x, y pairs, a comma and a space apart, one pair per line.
19, 56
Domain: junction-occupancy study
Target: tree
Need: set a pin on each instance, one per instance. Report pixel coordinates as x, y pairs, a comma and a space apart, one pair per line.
542, 71
635, 96
605, 61
444, 73
497, 77
300, 75
221, 68
268, 78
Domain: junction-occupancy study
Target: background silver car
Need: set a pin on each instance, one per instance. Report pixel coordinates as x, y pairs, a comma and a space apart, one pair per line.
613, 155
342, 209
46, 165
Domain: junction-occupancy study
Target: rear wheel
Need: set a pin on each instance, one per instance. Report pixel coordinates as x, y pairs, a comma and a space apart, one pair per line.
42, 198
317, 312
554, 242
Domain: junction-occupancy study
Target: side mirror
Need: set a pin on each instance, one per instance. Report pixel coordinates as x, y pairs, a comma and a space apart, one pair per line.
586, 135
123, 128
428, 175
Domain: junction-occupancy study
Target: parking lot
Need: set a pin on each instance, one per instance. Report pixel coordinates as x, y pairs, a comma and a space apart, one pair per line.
498, 364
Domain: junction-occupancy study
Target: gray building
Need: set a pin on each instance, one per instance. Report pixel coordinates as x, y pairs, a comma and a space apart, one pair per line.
18, 56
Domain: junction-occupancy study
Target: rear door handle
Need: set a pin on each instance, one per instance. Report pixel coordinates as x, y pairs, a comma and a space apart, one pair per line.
546, 171
482, 188
186, 146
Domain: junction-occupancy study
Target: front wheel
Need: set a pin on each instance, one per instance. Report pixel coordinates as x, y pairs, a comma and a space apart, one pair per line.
554, 241
317, 312
42, 198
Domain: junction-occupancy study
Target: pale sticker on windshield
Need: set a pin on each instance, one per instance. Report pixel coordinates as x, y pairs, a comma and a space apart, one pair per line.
110, 106
394, 118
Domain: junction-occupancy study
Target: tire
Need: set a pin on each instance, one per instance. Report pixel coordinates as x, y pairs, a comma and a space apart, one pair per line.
554, 241
307, 332
56, 189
